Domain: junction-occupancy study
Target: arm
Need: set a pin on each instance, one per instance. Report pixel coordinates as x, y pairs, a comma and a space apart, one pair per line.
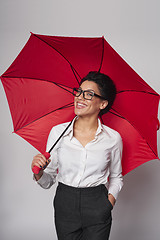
115, 178
48, 177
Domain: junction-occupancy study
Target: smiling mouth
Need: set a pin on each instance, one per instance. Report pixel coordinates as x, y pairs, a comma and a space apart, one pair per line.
80, 105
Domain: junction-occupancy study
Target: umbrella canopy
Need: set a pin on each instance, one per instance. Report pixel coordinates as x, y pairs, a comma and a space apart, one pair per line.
39, 83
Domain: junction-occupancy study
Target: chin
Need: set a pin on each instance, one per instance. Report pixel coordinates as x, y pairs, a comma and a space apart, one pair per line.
80, 112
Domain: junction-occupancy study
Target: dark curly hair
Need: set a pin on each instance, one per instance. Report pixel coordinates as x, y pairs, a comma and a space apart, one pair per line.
106, 87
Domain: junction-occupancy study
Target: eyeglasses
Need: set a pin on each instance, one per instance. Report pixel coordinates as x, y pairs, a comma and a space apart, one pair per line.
87, 94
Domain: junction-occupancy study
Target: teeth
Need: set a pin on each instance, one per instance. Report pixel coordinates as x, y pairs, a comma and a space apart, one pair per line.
80, 104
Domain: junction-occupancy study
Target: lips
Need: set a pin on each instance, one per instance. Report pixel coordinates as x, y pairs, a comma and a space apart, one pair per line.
80, 105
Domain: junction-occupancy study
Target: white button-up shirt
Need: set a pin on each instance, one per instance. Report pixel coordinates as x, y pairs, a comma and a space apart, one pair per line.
99, 162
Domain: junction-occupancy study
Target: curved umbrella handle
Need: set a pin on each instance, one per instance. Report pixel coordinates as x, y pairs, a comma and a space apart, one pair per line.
36, 169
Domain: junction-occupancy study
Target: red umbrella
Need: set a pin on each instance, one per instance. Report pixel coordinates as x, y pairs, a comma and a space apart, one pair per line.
39, 84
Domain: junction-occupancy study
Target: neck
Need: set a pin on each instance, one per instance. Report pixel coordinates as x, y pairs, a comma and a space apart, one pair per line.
86, 123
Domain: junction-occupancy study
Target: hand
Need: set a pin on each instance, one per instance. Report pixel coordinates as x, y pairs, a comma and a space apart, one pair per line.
111, 199
40, 161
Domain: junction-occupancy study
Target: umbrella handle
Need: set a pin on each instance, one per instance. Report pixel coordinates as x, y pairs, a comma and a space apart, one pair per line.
37, 169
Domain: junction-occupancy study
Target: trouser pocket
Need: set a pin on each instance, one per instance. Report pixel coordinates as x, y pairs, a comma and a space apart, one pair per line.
107, 202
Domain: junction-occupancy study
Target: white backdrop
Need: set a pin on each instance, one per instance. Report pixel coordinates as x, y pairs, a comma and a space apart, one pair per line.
133, 30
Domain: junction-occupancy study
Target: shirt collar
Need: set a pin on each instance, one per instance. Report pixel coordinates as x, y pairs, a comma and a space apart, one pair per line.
100, 127
70, 129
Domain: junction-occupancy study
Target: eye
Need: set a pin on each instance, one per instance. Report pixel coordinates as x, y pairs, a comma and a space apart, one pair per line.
89, 94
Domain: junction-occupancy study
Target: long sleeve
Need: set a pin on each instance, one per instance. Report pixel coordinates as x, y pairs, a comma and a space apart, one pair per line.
50, 173
115, 177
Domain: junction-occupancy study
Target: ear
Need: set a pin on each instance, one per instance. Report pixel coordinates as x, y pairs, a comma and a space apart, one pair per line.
103, 104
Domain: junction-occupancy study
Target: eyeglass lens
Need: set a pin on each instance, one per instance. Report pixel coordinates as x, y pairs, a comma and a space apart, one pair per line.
86, 94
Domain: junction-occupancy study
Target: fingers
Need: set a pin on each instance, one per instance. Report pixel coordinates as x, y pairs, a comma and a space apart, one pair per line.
40, 161
46, 163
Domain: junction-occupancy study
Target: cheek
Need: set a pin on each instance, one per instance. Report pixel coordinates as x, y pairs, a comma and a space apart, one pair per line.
94, 107
97, 105
74, 100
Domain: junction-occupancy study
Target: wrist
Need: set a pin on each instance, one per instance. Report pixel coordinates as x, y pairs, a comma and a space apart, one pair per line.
39, 175
111, 199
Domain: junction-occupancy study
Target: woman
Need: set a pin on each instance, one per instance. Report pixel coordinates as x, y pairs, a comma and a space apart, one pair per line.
88, 159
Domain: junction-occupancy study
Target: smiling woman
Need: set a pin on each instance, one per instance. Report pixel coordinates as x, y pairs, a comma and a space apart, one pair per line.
88, 154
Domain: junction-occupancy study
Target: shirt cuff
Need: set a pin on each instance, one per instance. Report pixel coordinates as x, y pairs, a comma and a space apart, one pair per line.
114, 190
42, 181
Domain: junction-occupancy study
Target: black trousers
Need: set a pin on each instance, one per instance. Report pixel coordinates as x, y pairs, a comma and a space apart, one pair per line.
82, 213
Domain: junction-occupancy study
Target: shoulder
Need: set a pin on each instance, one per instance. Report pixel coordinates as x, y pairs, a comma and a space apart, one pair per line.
55, 133
58, 129
112, 134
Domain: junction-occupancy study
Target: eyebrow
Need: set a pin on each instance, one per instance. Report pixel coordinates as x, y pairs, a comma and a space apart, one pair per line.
87, 89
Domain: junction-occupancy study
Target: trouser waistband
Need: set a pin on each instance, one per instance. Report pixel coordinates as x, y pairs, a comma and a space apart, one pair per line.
85, 190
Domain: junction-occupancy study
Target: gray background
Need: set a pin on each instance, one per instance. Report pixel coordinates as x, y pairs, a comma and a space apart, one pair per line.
133, 30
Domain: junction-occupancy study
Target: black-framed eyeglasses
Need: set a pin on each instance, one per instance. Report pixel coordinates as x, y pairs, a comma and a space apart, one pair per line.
87, 94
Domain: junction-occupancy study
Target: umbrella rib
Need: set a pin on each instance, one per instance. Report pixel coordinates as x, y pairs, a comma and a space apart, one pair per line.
74, 74
62, 87
156, 94
61, 55
57, 84
65, 106
102, 54
116, 114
